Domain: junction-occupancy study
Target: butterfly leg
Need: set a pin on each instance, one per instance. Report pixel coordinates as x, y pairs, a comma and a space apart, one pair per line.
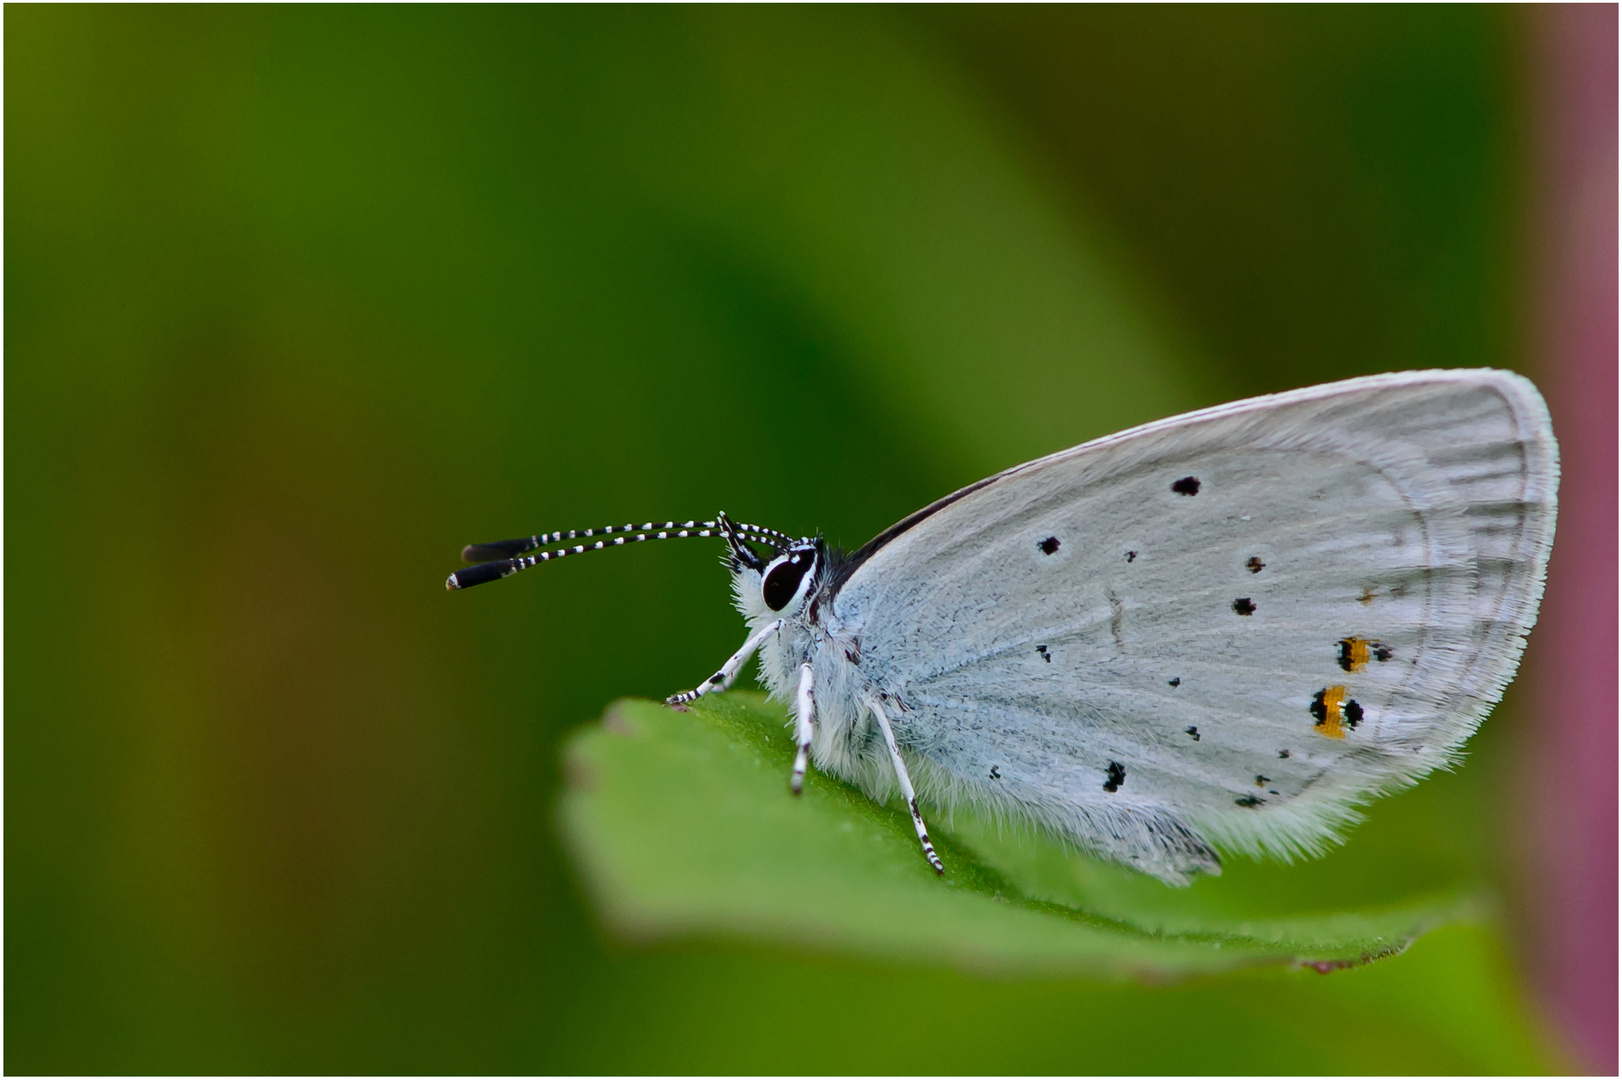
803, 712
906, 784
723, 679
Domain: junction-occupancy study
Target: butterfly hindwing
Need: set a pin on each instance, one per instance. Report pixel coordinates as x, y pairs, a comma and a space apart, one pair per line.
1232, 626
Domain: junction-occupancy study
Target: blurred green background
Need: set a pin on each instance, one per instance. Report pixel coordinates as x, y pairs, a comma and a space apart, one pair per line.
300, 300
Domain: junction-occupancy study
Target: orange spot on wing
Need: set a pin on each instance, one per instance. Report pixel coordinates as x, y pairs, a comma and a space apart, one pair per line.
1328, 707
1354, 652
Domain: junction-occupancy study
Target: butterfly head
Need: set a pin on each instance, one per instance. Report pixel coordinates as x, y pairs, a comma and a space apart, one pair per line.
778, 584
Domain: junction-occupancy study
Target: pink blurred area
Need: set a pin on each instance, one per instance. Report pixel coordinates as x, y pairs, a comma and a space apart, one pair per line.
1571, 808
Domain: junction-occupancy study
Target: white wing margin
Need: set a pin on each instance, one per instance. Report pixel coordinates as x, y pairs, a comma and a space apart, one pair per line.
1231, 626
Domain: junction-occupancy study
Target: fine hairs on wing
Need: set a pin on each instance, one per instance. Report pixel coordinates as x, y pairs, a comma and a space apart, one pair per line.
950, 610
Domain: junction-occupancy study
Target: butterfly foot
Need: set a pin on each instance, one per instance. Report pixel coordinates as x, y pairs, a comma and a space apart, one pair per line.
718, 681
796, 780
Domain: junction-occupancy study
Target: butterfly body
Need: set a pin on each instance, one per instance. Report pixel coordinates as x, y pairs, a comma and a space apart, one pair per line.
842, 742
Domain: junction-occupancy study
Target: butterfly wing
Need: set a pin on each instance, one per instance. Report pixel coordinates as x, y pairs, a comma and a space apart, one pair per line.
1231, 626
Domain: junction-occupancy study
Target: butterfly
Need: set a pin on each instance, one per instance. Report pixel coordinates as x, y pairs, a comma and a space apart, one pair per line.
1227, 630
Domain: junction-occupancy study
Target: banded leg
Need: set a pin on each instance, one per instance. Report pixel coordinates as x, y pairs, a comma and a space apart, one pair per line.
802, 729
906, 784
723, 679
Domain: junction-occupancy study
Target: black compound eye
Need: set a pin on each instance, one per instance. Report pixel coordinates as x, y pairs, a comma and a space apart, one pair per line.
783, 580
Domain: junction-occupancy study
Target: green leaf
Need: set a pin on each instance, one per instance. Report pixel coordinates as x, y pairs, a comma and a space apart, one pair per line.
684, 826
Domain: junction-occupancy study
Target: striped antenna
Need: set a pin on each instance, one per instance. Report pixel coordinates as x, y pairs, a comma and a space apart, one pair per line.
504, 558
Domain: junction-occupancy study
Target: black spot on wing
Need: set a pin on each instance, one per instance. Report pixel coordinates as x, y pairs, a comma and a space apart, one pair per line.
1131, 555
1048, 546
1115, 777
1174, 683
1042, 650
995, 775
1193, 733
1283, 753
1244, 606
1249, 802
1353, 712
1188, 485
1255, 565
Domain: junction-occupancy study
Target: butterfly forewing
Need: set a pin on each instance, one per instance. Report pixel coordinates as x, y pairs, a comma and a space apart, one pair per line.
1241, 622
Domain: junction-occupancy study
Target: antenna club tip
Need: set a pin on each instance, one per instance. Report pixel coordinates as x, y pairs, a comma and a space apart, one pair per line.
467, 556
451, 584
